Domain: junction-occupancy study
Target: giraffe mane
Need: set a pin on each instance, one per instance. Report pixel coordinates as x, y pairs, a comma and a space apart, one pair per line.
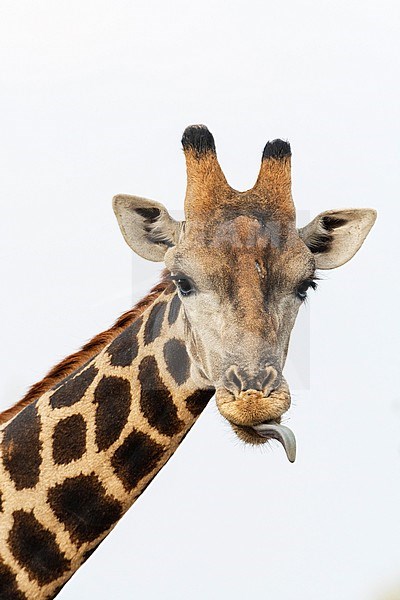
75, 360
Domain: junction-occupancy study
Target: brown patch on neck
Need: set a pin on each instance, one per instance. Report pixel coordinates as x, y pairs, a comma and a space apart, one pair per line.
72, 362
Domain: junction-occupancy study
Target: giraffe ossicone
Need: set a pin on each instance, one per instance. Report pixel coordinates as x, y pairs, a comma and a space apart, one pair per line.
86, 441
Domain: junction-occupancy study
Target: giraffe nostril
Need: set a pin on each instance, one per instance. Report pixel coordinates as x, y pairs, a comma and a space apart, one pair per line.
270, 380
237, 381
232, 380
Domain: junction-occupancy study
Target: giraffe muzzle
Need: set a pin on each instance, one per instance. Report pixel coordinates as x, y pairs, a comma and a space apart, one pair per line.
255, 418
253, 407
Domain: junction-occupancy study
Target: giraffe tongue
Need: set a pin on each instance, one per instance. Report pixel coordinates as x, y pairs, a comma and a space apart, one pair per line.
281, 433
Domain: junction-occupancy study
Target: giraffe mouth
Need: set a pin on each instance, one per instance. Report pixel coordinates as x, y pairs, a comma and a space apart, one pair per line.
256, 419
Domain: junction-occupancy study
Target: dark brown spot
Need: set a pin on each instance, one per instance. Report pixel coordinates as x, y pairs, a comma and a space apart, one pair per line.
8, 584
174, 309
136, 458
123, 350
22, 446
69, 439
81, 504
177, 360
73, 388
155, 399
35, 548
113, 397
1, 502
197, 401
154, 322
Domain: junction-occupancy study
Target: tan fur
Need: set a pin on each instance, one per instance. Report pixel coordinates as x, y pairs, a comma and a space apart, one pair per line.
206, 184
274, 186
207, 187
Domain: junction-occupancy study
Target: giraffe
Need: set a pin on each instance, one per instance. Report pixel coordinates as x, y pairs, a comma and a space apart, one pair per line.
86, 441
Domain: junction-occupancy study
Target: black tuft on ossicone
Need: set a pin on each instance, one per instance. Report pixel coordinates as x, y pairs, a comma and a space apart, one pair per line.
199, 139
276, 149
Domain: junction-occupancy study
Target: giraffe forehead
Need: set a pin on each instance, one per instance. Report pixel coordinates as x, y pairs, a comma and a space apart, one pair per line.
242, 247
238, 220
243, 232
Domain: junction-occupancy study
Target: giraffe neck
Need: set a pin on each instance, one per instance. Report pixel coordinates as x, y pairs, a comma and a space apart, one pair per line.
77, 458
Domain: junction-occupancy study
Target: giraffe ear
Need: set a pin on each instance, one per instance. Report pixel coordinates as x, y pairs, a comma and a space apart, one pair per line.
146, 226
335, 236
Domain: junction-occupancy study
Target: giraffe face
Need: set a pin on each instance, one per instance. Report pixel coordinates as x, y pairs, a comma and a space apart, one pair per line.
242, 270
241, 280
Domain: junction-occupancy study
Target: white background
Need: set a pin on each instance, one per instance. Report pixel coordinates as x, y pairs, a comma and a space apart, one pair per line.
94, 98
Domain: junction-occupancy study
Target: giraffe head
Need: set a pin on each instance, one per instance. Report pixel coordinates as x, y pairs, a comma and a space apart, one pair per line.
242, 270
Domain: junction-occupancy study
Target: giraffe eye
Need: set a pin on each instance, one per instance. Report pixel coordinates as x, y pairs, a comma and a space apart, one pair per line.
302, 289
184, 285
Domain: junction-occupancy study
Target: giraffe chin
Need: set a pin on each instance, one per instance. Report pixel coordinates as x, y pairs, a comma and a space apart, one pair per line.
256, 419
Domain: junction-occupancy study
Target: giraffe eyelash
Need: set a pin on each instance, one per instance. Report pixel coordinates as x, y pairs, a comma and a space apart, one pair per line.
302, 289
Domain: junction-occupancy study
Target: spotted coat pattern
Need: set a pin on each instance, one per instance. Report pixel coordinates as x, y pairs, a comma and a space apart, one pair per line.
76, 459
